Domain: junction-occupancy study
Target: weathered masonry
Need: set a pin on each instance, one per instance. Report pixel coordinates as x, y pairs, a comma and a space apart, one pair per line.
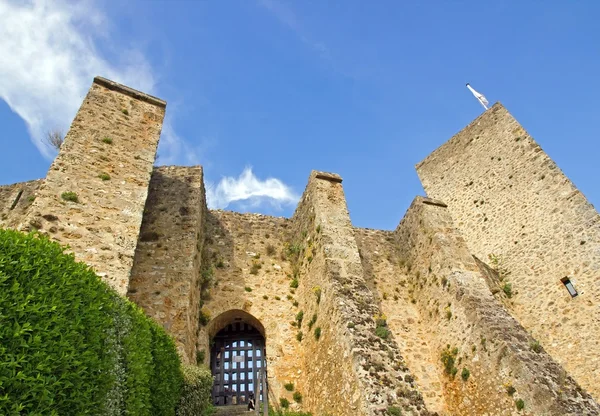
483, 301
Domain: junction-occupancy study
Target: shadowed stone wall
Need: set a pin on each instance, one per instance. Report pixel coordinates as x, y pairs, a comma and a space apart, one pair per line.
166, 271
467, 323
509, 199
105, 162
15, 201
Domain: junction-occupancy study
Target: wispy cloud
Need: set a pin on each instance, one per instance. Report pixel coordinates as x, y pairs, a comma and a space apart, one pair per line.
250, 191
284, 14
50, 54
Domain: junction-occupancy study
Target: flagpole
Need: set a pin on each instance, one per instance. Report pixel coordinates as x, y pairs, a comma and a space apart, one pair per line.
482, 100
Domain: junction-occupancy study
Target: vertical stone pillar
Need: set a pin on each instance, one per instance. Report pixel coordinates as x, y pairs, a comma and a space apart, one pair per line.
94, 193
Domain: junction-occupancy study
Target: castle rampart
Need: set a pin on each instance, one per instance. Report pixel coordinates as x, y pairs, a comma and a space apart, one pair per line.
94, 193
166, 270
510, 200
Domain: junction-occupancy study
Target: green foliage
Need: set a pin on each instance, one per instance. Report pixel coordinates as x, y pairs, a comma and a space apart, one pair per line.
289, 386
283, 402
317, 333
520, 404
107, 140
294, 250
125, 111
507, 289
200, 356
70, 196
104, 176
394, 411
312, 321
138, 361
510, 390
297, 397
255, 268
204, 317
535, 346
381, 329
70, 344
465, 374
299, 336
196, 392
248, 289
165, 385
448, 358
299, 318
273, 412
382, 332
294, 284
318, 228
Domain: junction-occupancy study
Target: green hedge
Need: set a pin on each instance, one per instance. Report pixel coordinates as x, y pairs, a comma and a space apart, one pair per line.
70, 345
196, 393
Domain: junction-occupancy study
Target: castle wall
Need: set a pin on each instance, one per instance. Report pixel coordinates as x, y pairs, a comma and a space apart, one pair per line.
166, 269
114, 134
245, 264
457, 306
388, 279
15, 201
349, 369
509, 199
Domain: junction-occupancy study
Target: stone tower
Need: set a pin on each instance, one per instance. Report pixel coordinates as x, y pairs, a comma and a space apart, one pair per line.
510, 201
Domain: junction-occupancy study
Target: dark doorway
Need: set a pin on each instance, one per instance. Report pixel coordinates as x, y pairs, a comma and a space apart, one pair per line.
237, 358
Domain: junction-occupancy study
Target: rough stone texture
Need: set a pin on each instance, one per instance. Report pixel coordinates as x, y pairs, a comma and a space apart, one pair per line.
509, 199
387, 278
457, 306
15, 201
349, 370
506, 196
234, 243
166, 270
103, 227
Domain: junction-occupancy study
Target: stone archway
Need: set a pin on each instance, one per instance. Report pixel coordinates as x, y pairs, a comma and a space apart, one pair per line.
237, 358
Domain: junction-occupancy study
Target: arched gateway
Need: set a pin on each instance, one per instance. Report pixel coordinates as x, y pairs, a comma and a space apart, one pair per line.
237, 358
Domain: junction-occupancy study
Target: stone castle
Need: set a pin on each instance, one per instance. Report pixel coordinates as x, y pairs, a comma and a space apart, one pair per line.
485, 300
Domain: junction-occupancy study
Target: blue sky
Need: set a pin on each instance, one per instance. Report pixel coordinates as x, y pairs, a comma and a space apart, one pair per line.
364, 89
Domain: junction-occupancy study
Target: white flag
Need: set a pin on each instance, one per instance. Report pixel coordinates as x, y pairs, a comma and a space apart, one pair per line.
484, 102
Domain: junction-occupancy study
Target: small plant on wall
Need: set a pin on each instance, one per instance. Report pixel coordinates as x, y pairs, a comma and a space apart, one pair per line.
317, 333
448, 358
69, 196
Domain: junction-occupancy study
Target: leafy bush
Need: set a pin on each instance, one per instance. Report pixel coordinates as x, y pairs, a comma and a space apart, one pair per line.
196, 392
289, 386
317, 333
520, 404
465, 374
507, 289
70, 196
297, 397
70, 344
283, 402
448, 358
165, 386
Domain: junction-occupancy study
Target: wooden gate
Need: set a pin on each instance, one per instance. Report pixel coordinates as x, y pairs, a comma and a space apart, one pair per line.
237, 356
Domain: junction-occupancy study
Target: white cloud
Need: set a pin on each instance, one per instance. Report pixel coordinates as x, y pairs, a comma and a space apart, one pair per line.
48, 57
249, 190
